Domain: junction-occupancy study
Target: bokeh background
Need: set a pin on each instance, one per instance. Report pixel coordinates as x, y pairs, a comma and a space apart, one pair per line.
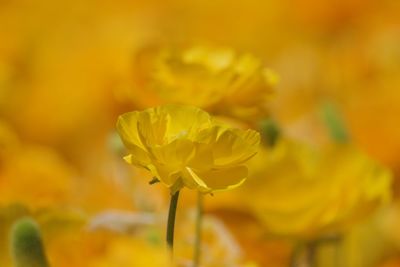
68, 69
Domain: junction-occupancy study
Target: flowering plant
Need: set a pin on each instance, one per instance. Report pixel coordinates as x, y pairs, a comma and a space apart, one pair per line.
183, 146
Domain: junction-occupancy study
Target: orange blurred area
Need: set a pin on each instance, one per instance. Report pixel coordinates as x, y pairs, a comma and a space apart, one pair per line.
326, 179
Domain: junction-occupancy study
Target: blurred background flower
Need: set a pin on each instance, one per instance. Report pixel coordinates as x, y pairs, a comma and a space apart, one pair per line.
224, 83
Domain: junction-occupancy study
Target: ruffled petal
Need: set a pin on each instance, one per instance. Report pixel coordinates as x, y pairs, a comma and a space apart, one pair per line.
233, 147
215, 180
152, 127
175, 154
186, 121
127, 127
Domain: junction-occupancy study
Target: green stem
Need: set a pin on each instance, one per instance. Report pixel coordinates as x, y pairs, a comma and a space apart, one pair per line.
296, 253
311, 257
199, 221
304, 254
171, 220
339, 252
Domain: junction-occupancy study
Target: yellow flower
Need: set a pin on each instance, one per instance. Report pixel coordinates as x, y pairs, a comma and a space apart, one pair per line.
31, 175
37, 177
299, 190
224, 82
184, 146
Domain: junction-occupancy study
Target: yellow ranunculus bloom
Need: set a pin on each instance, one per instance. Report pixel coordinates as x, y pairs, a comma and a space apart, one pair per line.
224, 82
184, 146
299, 190
36, 177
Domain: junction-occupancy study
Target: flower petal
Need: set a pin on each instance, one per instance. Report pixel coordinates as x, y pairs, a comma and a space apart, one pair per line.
186, 121
215, 180
234, 147
127, 128
152, 126
174, 154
